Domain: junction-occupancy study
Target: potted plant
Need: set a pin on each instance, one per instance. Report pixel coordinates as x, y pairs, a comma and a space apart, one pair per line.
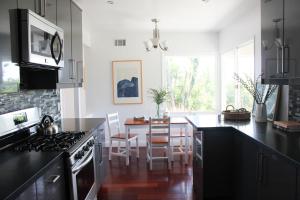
159, 96
259, 95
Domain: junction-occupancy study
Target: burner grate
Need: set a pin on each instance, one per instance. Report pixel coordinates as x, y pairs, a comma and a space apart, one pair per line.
57, 142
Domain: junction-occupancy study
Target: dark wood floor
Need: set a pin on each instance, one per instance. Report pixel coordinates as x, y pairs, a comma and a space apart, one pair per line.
137, 182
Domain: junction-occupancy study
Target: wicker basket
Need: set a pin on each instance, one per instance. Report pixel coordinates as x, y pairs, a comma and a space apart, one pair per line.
237, 115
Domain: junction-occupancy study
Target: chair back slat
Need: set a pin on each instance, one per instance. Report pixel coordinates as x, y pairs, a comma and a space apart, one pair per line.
159, 127
113, 123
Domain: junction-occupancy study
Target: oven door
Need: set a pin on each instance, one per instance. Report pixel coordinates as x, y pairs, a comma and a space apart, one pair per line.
45, 44
83, 178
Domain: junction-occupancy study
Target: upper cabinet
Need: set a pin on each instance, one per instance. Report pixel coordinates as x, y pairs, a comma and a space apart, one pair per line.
280, 41
45, 8
69, 17
9, 72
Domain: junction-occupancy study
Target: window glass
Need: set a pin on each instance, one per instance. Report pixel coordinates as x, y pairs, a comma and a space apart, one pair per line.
192, 83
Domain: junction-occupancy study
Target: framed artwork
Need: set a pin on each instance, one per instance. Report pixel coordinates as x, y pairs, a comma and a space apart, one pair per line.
271, 103
127, 77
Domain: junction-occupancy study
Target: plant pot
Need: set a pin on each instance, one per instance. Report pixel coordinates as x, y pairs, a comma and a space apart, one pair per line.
261, 112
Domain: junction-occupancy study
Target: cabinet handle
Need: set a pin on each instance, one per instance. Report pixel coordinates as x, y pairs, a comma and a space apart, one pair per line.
287, 57
71, 69
277, 60
53, 179
260, 167
282, 61
44, 11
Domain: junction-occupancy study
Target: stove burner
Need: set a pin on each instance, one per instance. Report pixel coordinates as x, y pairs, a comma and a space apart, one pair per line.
57, 142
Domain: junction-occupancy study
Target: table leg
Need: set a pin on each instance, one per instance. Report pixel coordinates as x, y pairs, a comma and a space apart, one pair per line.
186, 149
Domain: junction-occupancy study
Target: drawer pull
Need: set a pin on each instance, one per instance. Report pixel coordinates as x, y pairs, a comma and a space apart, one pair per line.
53, 178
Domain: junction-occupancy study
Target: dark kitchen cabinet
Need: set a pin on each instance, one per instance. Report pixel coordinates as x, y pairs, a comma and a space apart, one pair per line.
246, 168
277, 177
29, 193
45, 8
292, 39
77, 53
69, 17
272, 36
280, 41
9, 72
214, 174
51, 185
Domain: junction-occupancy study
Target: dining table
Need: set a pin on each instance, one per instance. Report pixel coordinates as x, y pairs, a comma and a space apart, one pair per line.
175, 122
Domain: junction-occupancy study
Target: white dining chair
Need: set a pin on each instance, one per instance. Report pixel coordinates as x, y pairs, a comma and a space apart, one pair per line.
116, 135
159, 138
178, 142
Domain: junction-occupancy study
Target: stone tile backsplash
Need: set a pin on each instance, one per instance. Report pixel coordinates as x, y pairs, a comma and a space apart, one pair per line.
294, 102
47, 100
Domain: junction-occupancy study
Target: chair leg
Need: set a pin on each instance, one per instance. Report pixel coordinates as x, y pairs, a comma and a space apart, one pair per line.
137, 148
170, 155
127, 153
150, 158
110, 150
119, 147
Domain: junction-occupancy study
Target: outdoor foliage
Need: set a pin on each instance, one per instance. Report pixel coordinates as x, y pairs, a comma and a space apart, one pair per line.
191, 83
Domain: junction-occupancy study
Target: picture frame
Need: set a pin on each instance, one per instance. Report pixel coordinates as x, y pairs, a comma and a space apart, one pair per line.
127, 81
271, 104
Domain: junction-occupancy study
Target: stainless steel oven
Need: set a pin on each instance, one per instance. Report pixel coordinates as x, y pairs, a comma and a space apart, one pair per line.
35, 41
82, 173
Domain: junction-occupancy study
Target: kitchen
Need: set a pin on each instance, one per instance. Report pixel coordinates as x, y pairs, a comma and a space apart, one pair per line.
59, 79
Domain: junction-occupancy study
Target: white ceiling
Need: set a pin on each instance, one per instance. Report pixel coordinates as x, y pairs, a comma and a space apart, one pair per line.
174, 15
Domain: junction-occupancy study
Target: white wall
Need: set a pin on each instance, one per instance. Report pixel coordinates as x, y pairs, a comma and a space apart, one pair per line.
242, 30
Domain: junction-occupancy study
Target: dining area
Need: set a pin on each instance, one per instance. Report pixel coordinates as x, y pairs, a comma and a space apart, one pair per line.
165, 138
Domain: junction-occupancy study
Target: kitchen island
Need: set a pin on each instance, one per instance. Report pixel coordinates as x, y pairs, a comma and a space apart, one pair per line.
244, 160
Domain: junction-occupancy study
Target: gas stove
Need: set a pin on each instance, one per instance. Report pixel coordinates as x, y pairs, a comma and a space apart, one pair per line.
62, 141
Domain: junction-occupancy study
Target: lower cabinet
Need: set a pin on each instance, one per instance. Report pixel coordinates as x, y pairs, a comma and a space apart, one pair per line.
277, 177
237, 167
245, 168
50, 186
29, 193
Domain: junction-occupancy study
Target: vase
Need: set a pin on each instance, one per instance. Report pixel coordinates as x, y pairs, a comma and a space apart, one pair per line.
261, 112
158, 110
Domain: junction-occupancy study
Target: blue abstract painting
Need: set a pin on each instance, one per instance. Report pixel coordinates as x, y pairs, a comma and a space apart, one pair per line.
128, 88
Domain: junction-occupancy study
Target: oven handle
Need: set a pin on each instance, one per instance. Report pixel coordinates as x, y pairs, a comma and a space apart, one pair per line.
84, 163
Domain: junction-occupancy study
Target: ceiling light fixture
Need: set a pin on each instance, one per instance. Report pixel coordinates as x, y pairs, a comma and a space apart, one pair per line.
110, 2
155, 41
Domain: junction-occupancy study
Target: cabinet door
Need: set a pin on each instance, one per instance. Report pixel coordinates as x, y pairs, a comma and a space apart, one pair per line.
246, 168
29, 193
51, 186
278, 180
273, 68
218, 163
197, 165
66, 74
33, 5
77, 42
50, 10
9, 73
292, 39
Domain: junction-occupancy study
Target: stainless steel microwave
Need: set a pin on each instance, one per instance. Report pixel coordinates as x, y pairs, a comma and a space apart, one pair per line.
35, 41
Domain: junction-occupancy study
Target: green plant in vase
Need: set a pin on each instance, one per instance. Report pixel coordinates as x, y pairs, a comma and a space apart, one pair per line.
159, 96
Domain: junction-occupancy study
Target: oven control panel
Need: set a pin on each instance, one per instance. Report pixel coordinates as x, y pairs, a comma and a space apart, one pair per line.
83, 151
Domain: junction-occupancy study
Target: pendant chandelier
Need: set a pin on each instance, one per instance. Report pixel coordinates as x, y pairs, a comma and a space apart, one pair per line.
155, 41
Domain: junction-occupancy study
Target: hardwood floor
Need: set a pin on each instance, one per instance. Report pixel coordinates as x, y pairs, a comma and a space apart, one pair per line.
137, 182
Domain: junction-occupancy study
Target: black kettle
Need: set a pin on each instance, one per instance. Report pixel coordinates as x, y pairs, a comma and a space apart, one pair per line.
47, 126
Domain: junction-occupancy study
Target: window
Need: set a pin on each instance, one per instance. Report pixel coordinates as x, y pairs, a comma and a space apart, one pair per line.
192, 83
240, 61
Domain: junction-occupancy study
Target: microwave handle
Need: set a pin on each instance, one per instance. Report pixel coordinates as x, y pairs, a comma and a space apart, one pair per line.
57, 60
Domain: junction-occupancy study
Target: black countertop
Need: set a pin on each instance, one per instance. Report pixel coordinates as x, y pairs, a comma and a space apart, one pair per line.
286, 144
18, 170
